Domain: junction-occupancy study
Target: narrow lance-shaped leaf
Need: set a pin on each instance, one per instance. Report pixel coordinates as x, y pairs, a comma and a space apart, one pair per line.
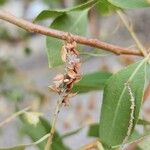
91, 82
118, 114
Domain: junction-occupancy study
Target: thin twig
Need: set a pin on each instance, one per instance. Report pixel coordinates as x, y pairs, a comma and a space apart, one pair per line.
95, 145
31, 27
94, 54
132, 33
40, 140
52, 131
31, 144
13, 116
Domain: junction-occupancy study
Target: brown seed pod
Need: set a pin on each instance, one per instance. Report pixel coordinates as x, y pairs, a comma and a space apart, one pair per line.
71, 74
59, 77
64, 53
65, 82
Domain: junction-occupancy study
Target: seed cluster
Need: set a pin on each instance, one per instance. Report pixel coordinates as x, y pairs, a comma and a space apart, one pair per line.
63, 83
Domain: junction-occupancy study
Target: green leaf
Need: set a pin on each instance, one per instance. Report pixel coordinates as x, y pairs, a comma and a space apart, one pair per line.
71, 133
38, 131
130, 3
135, 136
47, 14
41, 128
74, 22
116, 112
105, 8
55, 147
143, 122
2, 2
93, 130
91, 82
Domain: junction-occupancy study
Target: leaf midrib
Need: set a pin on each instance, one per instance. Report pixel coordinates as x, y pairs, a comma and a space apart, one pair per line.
123, 91
78, 20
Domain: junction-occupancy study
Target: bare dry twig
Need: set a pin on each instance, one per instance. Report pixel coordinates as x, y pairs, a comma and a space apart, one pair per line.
31, 27
129, 27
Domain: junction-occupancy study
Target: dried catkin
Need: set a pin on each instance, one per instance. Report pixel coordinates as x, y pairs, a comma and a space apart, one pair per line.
63, 83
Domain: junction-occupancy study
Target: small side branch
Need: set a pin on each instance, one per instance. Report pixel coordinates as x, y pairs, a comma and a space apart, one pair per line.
31, 27
52, 131
129, 27
9, 119
95, 145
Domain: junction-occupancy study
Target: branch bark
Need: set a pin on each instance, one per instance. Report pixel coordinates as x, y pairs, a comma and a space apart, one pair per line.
31, 27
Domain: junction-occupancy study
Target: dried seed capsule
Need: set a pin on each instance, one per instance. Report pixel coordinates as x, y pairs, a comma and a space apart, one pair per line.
63, 83
71, 74
64, 53
59, 77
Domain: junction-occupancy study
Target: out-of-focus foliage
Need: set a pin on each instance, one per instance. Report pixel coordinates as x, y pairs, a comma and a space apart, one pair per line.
43, 128
48, 14
105, 8
2, 2
91, 82
6, 68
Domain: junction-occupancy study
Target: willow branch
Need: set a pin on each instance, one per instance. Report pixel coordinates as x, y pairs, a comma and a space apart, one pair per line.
132, 33
31, 27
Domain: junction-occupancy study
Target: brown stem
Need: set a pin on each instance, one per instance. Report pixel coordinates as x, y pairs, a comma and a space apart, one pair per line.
52, 131
90, 146
31, 27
